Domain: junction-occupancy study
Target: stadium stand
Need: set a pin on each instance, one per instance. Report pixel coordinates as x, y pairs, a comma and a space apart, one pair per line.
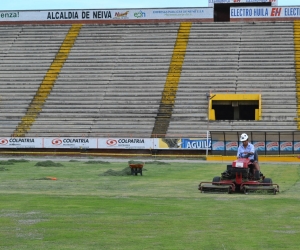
237, 58
112, 81
169, 93
48, 82
297, 65
111, 84
26, 54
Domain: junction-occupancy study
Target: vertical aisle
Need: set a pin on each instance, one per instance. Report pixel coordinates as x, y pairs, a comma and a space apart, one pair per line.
297, 67
48, 82
164, 114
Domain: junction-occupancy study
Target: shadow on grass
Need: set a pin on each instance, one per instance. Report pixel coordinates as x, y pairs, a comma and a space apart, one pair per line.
97, 162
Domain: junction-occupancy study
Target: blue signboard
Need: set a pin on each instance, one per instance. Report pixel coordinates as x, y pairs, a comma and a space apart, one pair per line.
286, 146
232, 145
218, 145
259, 145
195, 144
272, 146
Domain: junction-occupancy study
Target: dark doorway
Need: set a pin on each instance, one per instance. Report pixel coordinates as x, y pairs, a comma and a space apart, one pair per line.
235, 110
247, 112
223, 112
222, 10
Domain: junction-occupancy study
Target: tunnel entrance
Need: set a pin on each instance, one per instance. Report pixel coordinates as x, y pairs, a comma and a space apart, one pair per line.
235, 110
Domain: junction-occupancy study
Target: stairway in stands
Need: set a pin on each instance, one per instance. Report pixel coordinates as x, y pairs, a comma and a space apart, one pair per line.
164, 114
46, 86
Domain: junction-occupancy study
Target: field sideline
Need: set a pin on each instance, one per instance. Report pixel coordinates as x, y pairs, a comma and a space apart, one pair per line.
83, 207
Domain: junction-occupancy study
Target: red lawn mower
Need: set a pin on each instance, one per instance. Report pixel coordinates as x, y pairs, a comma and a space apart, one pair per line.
240, 177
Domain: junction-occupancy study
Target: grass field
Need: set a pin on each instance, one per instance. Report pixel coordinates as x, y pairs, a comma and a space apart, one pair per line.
163, 209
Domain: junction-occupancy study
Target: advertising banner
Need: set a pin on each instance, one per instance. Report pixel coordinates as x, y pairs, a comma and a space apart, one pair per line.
143, 143
264, 12
286, 146
70, 143
15, 142
218, 145
195, 144
183, 143
107, 14
272, 146
125, 143
297, 146
212, 2
168, 143
259, 145
232, 145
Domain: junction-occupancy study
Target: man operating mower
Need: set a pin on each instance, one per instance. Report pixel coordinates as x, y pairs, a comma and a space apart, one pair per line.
247, 150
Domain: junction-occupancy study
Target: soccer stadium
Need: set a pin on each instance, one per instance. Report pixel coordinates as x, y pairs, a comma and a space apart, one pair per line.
185, 81
120, 128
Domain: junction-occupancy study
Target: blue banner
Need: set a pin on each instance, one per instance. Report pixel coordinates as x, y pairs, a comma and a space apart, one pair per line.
195, 144
259, 145
297, 146
272, 146
218, 145
286, 146
232, 145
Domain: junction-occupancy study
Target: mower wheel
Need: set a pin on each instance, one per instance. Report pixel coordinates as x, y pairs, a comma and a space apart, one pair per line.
216, 179
267, 180
256, 175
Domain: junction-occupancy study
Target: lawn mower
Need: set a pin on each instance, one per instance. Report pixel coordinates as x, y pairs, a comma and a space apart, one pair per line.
240, 177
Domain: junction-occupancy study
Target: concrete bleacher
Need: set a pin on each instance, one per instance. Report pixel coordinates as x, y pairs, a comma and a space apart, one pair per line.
26, 54
267, 58
112, 82
211, 63
237, 58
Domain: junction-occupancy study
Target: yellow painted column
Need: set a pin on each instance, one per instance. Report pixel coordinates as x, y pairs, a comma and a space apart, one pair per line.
297, 67
171, 85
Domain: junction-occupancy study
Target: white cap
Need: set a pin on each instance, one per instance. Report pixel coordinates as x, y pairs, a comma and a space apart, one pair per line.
244, 137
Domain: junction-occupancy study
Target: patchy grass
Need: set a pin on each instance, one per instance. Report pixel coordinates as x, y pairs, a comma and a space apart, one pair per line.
162, 209
6, 163
18, 160
111, 172
12, 161
48, 163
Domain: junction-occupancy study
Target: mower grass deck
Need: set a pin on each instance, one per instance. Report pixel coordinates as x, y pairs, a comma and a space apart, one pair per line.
212, 188
274, 188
